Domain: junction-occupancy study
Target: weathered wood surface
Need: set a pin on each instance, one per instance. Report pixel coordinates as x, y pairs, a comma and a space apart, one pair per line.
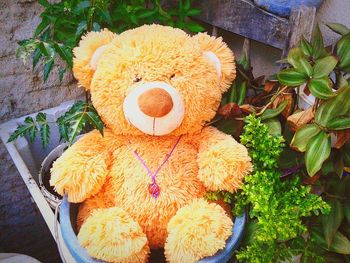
301, 23
242, 17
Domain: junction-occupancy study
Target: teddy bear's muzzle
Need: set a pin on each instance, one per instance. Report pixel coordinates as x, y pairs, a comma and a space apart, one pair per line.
155, 108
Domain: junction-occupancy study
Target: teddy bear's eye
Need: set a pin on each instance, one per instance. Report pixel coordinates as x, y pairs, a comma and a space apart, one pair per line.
172, 76
137, 79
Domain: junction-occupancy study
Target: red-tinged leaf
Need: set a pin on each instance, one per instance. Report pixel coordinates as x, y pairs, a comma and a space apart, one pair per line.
312, 180
230, 110
343, 137
298, 119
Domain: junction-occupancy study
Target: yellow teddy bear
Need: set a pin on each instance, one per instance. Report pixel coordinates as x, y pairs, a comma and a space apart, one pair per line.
142, 183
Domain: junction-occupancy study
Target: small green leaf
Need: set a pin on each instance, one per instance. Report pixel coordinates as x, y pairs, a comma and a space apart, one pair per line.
43, 24
347, 211
306, 47
340, 123
28, 128
324, 66
270, 113
321, 88
332, 221
36, 56
244, 59
81, 28
47, 69
339, 105
317, 151
107, 16
291, 77
95, 120
233, 93
61, 73
194, 27
318, 44
297, 59
250, 232
303, 136
44, 3
44, 129
193, 12
82, 5
340, 244
338, 28
343, 51
96, 27
64, 53
71, 124
242, 93
274, 126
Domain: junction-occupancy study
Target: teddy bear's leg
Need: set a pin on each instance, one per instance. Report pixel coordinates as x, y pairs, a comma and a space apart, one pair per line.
111, 235
196, 231
89, 205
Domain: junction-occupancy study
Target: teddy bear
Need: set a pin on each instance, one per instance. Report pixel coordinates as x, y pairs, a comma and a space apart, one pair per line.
142, 183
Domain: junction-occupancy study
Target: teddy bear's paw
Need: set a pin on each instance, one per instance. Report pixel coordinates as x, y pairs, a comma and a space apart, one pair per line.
82, 169
223, 165
197, 230
113, 236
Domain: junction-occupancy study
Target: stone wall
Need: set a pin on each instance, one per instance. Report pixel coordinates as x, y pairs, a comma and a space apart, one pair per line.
23, 91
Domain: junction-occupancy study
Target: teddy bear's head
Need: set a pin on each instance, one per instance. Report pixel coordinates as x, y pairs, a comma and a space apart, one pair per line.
154, 79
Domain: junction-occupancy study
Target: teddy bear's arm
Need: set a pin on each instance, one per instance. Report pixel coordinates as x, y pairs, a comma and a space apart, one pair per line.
222, 161
82, 169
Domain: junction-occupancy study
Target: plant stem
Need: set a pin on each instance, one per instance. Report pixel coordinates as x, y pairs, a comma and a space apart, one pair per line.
246, 78
272, 100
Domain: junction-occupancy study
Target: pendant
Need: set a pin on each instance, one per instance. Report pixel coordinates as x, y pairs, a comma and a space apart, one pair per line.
154, 189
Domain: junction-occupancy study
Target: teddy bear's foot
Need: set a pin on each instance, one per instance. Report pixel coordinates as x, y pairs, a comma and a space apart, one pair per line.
112, 235
197, 230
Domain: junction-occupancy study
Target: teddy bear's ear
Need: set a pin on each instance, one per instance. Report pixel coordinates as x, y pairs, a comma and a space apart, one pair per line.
220, 55
87, 54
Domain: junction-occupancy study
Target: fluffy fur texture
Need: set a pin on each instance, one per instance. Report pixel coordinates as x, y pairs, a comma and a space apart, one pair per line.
113, 235
197, 230
104, 174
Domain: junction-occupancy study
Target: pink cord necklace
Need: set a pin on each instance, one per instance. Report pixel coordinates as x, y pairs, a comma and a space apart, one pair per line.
153, 188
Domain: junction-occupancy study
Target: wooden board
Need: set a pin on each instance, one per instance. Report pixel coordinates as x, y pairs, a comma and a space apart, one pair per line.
242, 17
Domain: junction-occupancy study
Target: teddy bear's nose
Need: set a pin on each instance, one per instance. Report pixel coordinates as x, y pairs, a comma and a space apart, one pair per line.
155, 102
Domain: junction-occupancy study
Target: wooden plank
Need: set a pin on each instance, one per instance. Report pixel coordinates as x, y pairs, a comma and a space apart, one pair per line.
242, 17
301, 23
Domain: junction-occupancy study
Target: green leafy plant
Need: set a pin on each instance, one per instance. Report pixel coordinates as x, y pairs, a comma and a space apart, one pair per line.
30, 127
64, 22
276, 206
82, 115
324, 76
